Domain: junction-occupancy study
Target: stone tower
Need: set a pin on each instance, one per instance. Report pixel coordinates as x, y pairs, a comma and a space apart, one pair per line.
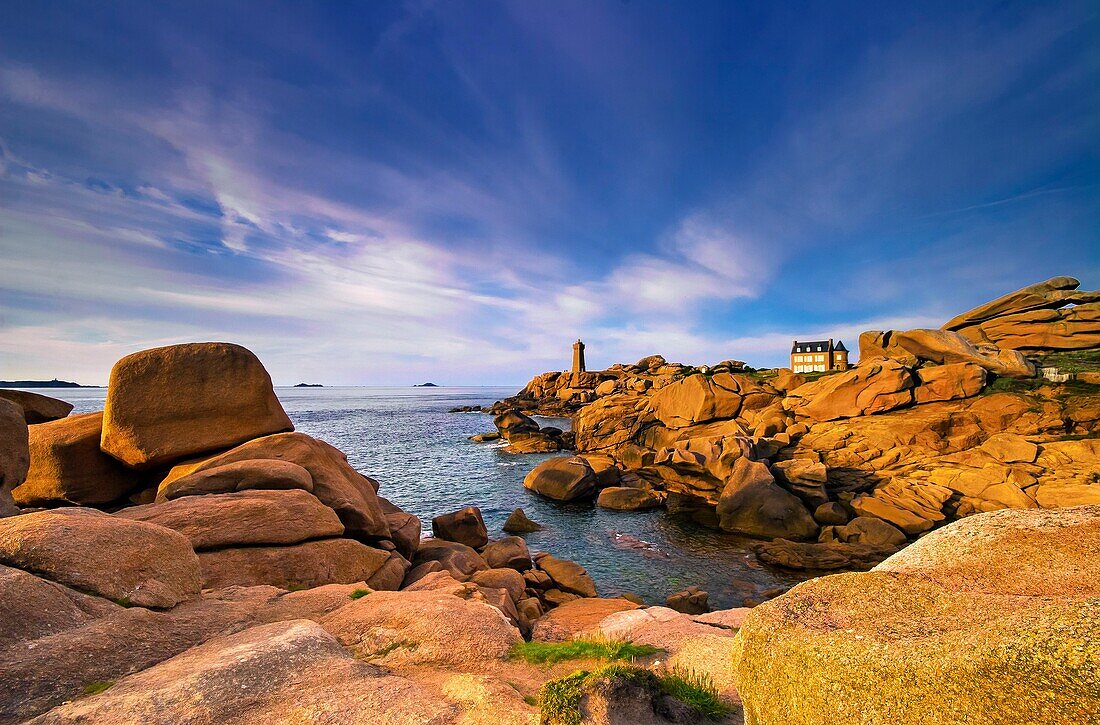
578, 357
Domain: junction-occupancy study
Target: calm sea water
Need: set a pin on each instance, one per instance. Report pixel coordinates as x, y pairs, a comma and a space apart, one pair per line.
406, 439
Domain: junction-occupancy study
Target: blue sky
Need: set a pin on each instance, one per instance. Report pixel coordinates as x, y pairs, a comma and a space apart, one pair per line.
385, 193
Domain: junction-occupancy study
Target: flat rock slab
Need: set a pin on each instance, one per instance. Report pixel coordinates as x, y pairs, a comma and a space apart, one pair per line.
242, 519
274, 673
180, 401
133, 562
314, 563
579, 616
265, 474
339, 486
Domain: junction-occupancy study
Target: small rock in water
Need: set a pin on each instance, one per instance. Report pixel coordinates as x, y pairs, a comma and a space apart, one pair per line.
632, 542
692, 600
518, 523
485, 437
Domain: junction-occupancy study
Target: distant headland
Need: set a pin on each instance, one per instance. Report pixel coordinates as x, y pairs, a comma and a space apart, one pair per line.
55, 383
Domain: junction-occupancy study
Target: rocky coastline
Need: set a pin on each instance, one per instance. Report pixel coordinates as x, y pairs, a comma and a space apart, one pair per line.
185, 555
998, 409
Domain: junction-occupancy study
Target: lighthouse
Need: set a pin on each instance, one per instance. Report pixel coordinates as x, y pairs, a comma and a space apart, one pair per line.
578, 357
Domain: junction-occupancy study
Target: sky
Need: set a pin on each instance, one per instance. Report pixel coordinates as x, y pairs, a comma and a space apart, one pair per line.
387, 193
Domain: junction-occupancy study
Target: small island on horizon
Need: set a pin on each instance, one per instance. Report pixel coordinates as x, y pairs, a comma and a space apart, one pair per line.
426, 385
55, 383
309, 385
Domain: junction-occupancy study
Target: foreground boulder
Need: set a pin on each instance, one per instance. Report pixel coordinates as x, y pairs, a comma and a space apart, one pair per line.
175, 402
239, 476
563, 479
283, 672
132, 562
37, 408
349, 493
67, 466
459, 560
959, 627
249, 518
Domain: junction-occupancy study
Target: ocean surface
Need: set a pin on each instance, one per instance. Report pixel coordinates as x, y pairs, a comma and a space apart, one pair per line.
419, 452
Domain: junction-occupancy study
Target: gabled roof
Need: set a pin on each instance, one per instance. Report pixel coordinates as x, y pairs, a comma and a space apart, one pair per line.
839, 347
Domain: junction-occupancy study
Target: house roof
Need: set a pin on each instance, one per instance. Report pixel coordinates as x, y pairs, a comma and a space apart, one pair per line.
810, 346
840, 346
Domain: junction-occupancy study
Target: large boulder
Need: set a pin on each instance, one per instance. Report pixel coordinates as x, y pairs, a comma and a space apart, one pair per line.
180, 401
697, 399
67, 466
512, 423
282, 672
753, 504
249, 518
961, 626
876, 386
510, 552
339, 486
948, 382
37, 408
568, 576
459, 560
464, 526
265, 474
621, 498
310, 564
15, 456
405, 528
563, 479
423, 627
132, 562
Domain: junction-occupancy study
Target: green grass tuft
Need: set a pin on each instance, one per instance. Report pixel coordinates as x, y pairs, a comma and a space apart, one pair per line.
359, 593
559, 700
94, 688
124, 602
296, 587
696, 690
579, 649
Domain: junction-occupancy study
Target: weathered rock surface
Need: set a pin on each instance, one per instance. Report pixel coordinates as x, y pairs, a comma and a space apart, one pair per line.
171, 403
68, 467
339, 486
274, 673
464, 526
249, 518
127, 561
311, 564
692, 600
15, 456
942, 348
37, 408
753, 504
876, 386
960, 626
568, 576
948, 382
510, 552
627, 499
31, 607
422, 627
563, 479
405, 528
577, 617
459, 560
267, 474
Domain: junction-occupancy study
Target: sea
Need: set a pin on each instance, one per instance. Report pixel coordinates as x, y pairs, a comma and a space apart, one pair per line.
407, 439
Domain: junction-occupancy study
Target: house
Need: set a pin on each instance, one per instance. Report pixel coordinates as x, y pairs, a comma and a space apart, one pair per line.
818, 356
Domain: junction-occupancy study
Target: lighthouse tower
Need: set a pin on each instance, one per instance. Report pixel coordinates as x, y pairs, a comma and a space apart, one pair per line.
578, 357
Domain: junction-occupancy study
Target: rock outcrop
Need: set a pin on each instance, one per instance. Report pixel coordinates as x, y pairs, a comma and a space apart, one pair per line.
15, 455
960, 626
564, 479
